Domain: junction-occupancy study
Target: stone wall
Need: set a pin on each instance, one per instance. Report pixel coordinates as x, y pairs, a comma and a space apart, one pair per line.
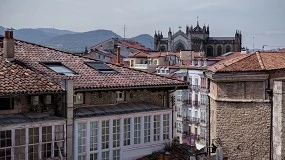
241, 90
22, 104
243, 128
101, 98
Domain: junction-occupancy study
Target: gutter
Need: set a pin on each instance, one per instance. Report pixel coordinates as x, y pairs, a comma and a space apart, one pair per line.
133, 88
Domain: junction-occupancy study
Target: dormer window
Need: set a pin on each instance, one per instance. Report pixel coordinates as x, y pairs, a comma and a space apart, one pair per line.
60, 68
78, 98
35, 100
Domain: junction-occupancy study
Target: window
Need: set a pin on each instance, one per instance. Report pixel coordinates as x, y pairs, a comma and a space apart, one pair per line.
20, 142
155, 62
105, 134
78, 98
46, 139
93, 136
132, 63
116, 133
137, 130
167, 70
116, 154
5, 145
127, 131
81, 139
94, 156
105, 155
156, 127
179, 127
158, 70
101, 67
162, 70
147, 129
190, 80
47, 99
120, 96
35, 100
59, 139
60, 68
203, 82
6, 103
33, 135
196, 81
165, 126
33, 152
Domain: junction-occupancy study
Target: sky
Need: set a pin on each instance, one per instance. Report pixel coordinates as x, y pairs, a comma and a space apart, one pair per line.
260, 21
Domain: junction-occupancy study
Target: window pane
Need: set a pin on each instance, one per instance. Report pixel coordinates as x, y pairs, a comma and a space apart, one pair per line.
127, 131
105, 134
147, 129
137, 130
93, 136
116, 133
20, 137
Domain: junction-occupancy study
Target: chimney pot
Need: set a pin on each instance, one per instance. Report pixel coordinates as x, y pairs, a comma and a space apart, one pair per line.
118, 55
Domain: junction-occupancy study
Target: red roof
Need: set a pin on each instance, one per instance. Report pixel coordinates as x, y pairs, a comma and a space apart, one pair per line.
253, 62
133, 44
88, 78
18, 79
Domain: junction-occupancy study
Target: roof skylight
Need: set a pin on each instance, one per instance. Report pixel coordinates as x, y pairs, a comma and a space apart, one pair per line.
101, 67
60, 68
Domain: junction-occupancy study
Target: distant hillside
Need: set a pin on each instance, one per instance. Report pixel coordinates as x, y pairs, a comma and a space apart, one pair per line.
71, 41
38, 35
78, 41
144, 39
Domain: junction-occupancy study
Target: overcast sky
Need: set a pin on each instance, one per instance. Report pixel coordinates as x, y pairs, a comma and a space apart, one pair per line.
262, 19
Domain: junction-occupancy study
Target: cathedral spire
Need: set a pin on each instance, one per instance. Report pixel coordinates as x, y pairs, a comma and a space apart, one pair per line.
197, 20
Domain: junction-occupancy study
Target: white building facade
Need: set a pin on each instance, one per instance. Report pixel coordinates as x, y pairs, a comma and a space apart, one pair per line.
122, 137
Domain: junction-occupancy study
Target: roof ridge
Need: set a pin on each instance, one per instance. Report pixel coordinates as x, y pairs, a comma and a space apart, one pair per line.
260, 60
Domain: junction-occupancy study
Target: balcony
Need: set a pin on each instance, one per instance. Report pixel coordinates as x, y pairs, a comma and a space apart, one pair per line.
196, 104
141, 66
196, 88
186, 119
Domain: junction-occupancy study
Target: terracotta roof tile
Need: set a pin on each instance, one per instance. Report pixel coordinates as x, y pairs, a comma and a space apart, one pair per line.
17, 79
252, 62
87, 78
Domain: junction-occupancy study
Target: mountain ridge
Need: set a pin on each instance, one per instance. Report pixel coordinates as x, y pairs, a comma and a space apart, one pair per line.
70, 41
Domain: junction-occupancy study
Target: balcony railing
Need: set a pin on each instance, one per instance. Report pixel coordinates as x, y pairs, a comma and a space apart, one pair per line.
196, 103
196, 88
141, 66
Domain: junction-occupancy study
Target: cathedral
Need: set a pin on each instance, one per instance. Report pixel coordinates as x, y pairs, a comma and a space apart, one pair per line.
197, 39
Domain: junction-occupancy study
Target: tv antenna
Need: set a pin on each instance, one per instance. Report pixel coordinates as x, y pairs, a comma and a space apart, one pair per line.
125, 28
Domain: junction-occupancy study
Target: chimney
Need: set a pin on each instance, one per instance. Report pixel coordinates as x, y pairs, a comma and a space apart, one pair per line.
118, 55
8, 46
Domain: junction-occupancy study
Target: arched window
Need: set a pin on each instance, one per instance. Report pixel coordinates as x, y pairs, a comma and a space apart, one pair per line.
179, 47
209, 51
228, 48
219, 50
162, 49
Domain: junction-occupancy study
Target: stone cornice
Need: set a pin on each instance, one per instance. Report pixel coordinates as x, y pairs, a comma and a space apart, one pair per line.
237, 100
234, 77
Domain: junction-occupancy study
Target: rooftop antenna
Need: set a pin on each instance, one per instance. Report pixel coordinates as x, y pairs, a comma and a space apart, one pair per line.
253, 43
125, 31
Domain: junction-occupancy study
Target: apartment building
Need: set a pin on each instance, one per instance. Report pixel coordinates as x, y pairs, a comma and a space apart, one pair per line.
148, 61
191, 104
73, 107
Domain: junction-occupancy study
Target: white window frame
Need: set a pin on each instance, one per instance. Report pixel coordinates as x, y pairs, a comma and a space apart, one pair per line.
116, 133
146, 129
156, 127
137, 130
78, 98
166, 126
120, 96
127, 131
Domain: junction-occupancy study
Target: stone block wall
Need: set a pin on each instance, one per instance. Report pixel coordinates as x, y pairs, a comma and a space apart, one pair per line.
22, 104
104, 98
243, 128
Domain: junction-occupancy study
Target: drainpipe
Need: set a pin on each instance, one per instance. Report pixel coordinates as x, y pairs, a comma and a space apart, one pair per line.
270, 96
209, 115
167, 93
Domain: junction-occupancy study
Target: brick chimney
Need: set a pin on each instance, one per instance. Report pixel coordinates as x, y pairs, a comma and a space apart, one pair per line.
8, 46
118, 55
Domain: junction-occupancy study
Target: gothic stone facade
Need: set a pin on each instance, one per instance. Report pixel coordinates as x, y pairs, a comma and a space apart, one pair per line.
197, 39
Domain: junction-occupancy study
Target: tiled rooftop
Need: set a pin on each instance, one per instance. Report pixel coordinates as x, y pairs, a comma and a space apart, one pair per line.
250, 62
33, 56
17, 79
